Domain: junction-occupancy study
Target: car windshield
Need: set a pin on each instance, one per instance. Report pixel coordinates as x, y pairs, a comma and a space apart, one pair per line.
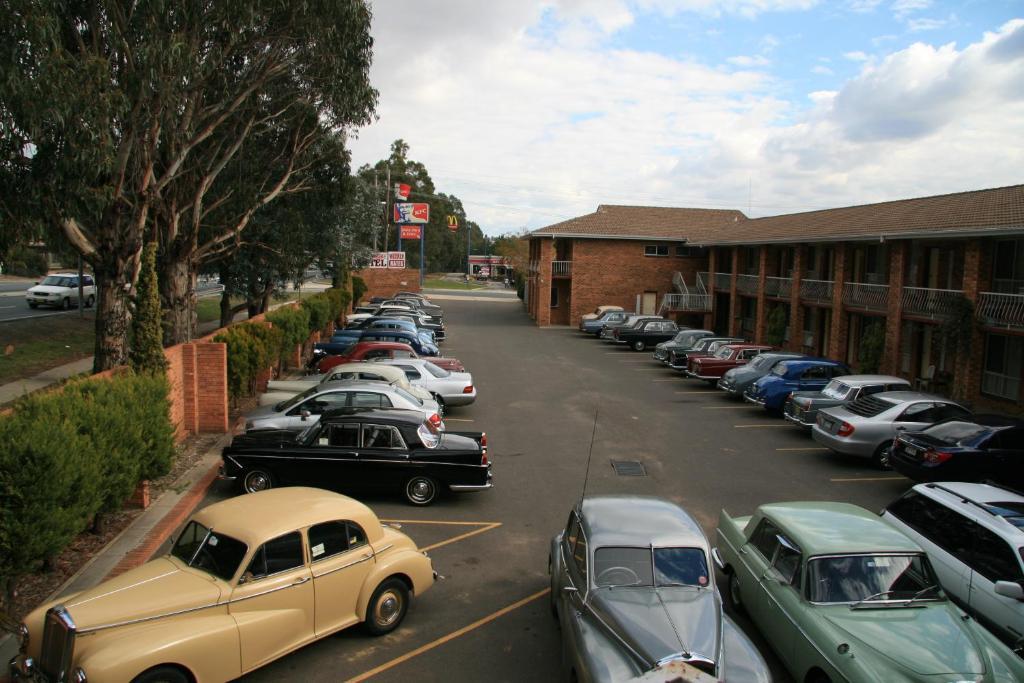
407, 396
623, 566
780, 370
871, 579
212, 552
955, 432
434, 370
297, 399
57, 281
837, 390
724, 352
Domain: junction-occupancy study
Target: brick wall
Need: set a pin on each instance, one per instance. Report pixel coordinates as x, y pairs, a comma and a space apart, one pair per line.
614, 272
386, 282
198, 376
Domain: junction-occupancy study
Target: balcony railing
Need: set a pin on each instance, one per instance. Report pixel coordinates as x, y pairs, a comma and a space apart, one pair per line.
1001, 310
930, 303
863, 295
747, 284
723, 282
561, 268
702, 282
686, 302
778, 287
816, 290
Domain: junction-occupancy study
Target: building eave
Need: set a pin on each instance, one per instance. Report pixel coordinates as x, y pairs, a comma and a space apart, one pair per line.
587, 236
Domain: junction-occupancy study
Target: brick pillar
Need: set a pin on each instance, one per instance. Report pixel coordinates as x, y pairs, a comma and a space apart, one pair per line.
709, 317
190, 419
898, 254
760, 323
837, 341
544, 282
796, 309
734, 297
968, 368
212, 394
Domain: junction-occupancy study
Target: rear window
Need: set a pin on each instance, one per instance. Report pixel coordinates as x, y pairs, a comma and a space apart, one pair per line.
869, 406
407, 396
435, 371
837, 390
725, 352
956, 432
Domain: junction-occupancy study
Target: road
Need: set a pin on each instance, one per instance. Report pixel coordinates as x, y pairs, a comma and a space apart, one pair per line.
13, 306
543, 394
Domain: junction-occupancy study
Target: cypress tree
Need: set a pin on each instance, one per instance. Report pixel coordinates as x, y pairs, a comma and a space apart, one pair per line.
147, 353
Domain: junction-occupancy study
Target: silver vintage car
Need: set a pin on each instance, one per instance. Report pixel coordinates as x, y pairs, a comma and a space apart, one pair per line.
801, 408
867, 426
632, 589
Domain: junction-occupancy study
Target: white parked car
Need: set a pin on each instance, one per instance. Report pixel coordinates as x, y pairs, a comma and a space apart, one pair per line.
974, 537
305, 409
61, 291
448, 388
282, 390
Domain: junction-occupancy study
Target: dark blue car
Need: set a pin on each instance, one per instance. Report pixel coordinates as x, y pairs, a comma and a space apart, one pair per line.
419, 345
801, 374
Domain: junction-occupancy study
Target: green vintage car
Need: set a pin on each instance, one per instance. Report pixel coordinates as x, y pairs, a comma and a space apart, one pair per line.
843, 596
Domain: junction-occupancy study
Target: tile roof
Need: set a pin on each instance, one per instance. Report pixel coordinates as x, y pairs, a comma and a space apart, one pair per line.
996, 209
645, 222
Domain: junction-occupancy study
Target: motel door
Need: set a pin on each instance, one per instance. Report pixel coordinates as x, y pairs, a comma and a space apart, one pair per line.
650, 304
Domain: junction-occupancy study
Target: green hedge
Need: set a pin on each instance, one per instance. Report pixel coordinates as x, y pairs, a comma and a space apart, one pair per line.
318, 307
70, 454
294, 325
252, 347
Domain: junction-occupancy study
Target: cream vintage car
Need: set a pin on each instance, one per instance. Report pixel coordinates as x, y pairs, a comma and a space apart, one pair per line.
249, 580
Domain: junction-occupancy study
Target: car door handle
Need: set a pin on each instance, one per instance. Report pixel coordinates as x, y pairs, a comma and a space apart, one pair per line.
300, 581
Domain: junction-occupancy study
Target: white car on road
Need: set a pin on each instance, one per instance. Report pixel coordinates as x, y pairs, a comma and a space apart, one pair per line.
61, 291
282, 390
448, 388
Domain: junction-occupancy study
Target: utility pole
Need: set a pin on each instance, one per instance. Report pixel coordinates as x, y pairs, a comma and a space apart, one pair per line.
387, 210
377, 202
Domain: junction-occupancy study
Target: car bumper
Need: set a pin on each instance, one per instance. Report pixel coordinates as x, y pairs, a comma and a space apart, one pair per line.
729, 388
800, 420
468, 488
458, 399
222, 475
756, 400
23, 668
842, 445
690, 373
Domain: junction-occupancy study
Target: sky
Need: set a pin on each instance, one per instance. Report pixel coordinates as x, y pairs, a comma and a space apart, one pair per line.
535, 112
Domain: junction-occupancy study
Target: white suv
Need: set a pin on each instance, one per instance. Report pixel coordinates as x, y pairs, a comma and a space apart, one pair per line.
61, 290
974, 536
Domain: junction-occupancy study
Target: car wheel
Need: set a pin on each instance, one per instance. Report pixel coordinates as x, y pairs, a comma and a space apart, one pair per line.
257, 480
66, 304
735, 599
162, 674
421, 490
387, 607
881, 457
89, 301
638, 345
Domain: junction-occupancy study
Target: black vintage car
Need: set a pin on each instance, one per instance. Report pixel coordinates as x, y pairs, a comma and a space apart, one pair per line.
646, 333
364, 450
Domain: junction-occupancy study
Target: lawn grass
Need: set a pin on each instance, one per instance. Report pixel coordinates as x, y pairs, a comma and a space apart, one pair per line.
208, 308
438, 283
34, 345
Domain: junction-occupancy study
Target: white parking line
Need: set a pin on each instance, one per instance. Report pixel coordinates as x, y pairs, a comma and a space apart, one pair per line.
843, 479
9, 307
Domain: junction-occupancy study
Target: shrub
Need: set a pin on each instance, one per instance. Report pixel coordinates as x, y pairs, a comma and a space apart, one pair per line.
319, 308
339, 299
252, 348
25, 262
293, 323
358, 288
872, 344
147, 352
68, 455
775, 326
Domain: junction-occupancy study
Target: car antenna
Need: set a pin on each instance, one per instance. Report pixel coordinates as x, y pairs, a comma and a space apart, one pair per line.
590, 454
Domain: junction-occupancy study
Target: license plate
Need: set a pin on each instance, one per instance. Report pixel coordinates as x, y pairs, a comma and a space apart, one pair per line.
827, 425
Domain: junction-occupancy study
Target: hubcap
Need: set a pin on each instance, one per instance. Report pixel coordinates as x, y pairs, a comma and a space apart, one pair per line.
257, 481
421, 490
389, 606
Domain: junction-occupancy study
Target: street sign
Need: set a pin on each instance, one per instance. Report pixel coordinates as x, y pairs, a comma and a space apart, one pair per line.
453, 223
412, 213
409, 232
388, 259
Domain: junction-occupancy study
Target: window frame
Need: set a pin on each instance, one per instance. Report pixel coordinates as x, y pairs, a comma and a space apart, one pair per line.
303, 554
348, 525
656, 251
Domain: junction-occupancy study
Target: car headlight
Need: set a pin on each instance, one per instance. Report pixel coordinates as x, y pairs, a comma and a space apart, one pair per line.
23, 635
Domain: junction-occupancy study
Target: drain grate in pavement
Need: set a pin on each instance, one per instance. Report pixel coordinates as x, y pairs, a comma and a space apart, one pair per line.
629, 468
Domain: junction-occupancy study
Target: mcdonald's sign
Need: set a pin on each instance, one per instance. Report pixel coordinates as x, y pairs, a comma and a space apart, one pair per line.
453, 223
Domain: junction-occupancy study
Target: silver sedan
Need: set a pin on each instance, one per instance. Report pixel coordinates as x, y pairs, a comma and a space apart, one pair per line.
446, 387
867, 426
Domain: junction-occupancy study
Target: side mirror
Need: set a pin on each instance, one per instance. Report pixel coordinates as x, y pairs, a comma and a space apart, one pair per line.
245, 578
304, 414
1010, 589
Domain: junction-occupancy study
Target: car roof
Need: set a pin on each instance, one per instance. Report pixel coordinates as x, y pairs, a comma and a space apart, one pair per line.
861, 380
1001, 504
370, 345
628, 520
353, 384
806, 362
258, 517
823, 528
412, 417
910, 396
361, 366
743, 347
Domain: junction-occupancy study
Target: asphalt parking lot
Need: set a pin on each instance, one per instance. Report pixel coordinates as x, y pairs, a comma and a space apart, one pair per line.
544, 394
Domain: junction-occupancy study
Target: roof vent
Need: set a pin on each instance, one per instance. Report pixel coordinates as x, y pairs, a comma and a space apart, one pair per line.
629, 468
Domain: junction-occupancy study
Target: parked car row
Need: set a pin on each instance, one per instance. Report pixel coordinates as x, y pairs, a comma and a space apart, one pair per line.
933, 589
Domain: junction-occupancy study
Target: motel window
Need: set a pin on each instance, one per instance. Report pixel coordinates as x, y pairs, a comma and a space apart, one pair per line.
1008, 275
1004, 366
656, 250
554, 297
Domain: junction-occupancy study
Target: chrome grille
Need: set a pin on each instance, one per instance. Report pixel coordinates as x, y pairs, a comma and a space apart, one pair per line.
58, 644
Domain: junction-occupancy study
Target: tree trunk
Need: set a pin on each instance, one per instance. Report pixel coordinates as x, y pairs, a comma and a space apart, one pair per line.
265, 303
178, 297
113, 316
226, 314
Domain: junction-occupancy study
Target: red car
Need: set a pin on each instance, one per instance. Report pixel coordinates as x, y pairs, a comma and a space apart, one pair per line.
711, 368
369, 351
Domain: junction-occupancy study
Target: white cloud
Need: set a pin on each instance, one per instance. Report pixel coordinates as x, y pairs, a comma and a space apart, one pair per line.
856, 56
747, 61
522, 111
863, 6
822, 70
926, 24
901, 8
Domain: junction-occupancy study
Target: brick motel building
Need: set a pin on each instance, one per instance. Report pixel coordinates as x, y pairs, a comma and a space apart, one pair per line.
836, 277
